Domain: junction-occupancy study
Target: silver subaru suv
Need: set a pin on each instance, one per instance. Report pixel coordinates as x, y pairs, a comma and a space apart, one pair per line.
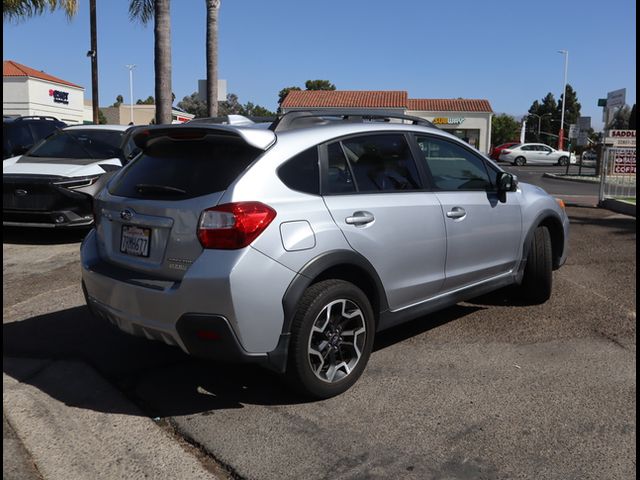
292, 244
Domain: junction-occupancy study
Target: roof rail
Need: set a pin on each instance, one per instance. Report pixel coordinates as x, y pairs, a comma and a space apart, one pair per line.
237, 120
39, 117
307, 118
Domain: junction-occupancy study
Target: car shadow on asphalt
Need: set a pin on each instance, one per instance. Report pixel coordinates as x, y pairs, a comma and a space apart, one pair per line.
158, 379
42, 236
595, 216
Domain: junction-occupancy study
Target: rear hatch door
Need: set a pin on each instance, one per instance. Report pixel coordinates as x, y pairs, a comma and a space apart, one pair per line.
147, 217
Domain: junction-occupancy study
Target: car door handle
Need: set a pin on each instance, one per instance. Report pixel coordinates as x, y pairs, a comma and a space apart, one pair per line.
360, 218
456, 212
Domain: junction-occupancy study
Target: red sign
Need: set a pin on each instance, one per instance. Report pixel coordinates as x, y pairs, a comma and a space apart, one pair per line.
624, 162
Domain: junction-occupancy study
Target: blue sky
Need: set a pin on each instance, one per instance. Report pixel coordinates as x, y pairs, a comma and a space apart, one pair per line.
502, 51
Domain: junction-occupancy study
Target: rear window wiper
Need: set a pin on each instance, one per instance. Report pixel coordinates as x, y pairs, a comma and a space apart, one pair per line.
148, 188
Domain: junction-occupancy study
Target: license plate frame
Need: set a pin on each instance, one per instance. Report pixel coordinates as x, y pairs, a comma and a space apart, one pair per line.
135, 241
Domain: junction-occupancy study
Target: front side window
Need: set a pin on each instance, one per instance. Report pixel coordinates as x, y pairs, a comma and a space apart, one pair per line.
381, 163
452, 166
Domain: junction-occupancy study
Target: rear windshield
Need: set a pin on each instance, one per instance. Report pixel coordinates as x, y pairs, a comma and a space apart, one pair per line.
81, 144
179, 169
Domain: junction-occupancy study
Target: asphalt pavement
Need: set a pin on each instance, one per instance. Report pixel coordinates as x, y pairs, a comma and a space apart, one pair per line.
486, 389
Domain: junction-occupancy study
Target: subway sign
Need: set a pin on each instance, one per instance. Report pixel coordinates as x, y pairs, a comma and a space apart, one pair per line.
448, 120
59, 96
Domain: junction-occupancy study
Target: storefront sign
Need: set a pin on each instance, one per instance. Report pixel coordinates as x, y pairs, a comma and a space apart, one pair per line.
448, 120
59, 97
621, 138
624, 162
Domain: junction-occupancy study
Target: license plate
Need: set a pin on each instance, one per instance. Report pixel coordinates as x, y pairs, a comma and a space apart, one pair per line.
135, 241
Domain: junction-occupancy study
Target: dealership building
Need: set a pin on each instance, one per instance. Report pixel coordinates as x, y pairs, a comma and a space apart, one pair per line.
468, 119
27, 91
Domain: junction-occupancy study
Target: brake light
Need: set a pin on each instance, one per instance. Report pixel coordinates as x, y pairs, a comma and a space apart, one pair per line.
233, 225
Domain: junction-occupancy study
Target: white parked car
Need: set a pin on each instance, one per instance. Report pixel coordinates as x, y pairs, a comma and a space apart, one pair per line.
50, 185
525, 153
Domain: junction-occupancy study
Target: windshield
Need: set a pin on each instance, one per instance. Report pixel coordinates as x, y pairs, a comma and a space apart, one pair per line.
80, 144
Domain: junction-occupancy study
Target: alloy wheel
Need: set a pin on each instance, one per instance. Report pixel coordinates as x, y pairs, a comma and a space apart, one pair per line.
337, 339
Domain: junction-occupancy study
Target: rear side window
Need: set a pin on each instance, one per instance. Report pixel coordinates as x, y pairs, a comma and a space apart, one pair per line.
179, 169
382, 163
302, 172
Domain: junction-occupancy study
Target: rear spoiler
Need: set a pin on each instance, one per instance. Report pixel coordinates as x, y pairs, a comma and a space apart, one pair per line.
258, 138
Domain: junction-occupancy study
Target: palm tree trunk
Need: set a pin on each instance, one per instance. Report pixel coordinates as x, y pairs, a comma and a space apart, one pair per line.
213, 7
162, 60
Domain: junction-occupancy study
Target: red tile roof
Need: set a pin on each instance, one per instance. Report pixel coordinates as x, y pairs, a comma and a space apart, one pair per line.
345, 99
380, 99
449, 105
14, 69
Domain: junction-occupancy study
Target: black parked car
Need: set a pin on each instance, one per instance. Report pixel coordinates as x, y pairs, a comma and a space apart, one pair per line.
19, 134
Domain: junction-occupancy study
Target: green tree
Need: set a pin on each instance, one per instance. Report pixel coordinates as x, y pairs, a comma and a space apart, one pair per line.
319, 85
192, 104
16, 10
158, 10
213, 9
119, 101
632, 118
620, 120
504, 128
252, 110
231, 106
542, 112
149, 101
571, 111
102, 120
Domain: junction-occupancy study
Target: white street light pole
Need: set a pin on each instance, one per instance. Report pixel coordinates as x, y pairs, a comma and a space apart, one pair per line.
131, 67
539, 120
564, 97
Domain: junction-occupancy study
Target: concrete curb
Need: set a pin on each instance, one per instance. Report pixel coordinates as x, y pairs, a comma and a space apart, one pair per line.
74, 424
618, 206
561, 177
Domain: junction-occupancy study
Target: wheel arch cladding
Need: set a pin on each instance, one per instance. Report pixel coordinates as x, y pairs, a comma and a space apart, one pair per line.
551, 220
344, 265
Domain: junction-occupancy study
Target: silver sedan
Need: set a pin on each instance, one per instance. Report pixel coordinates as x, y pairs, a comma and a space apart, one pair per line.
525, 153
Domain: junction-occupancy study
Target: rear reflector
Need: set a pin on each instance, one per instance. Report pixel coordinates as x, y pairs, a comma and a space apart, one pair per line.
208, 335
233, 225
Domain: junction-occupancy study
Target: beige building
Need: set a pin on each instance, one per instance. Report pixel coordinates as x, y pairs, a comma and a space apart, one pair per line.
468, 119
140, 114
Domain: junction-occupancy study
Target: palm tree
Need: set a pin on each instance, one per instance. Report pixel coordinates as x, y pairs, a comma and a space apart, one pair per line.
159, 10
14, 10
213, 7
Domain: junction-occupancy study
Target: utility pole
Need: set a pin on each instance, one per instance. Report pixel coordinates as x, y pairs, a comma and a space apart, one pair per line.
93, 53
131, 67
564, 97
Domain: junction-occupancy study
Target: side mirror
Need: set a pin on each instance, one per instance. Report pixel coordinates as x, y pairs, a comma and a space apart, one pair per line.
507, 182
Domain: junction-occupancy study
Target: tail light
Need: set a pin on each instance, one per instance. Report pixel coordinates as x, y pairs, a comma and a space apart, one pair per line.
233, 225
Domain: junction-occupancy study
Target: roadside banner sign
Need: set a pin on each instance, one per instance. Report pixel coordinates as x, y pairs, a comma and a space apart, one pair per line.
616, 98
624, 161
584, 123
573, 130
621, 138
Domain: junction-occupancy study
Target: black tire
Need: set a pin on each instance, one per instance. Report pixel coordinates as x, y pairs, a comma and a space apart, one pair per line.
520, 161
563, 161
538, 272
301, 375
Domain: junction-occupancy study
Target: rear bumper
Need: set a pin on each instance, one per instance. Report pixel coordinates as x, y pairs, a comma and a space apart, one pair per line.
216, 311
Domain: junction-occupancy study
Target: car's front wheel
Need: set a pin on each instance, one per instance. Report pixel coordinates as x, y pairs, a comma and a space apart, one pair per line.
331, 339
538, 271
520, 161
